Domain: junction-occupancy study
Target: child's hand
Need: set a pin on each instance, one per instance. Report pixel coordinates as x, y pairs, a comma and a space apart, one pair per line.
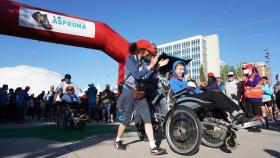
163, 62
186, 77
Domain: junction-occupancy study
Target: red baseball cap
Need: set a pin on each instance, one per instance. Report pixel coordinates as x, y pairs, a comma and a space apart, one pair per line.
145, 45
248, 66
211, 74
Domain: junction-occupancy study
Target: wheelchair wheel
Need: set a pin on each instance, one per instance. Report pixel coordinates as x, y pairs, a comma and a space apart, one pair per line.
231, 142
83, 125
183, 131
213, 135
62, 119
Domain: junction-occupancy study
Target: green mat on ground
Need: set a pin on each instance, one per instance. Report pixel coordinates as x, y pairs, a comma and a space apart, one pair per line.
51, 132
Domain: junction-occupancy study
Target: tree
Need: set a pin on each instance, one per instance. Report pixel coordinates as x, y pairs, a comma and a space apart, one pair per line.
224, 71
239, 72
232, 69
201, 74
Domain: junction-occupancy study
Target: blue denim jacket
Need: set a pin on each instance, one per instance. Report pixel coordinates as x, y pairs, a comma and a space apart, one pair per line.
134, 71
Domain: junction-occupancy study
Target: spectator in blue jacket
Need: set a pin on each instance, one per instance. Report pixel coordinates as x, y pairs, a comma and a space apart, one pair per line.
22, 100
266, 106
93, 108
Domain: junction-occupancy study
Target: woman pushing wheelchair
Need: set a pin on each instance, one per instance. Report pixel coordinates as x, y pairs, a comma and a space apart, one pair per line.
139, 67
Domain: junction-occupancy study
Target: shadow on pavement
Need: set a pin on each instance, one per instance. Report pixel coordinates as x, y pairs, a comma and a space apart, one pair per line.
73, 147
272, 152
273, 126
33, 147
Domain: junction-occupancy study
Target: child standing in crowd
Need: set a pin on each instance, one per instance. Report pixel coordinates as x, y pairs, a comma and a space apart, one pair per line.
266, 106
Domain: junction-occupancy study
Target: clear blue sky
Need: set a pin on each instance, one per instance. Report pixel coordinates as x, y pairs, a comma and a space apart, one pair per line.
245, 29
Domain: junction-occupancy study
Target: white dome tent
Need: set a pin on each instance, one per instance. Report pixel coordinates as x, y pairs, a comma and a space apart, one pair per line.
39, 79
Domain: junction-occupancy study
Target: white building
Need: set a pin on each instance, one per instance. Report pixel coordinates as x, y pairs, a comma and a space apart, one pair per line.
204, 50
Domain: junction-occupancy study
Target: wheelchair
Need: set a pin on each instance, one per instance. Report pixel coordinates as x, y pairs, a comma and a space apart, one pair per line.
71, 115
189, 123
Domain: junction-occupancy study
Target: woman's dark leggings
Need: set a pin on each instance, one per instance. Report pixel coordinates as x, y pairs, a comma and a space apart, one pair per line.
253, 108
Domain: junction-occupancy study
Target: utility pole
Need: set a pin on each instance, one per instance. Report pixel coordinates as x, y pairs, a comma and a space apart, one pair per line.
267, 61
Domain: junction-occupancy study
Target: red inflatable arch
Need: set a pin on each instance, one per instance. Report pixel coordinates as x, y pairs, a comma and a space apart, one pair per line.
39, 24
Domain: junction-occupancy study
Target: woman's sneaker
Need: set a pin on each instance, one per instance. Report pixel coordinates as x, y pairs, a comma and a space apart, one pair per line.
119, 145
157, 151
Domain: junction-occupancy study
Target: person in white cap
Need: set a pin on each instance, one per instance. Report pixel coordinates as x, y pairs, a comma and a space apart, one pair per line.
231, 88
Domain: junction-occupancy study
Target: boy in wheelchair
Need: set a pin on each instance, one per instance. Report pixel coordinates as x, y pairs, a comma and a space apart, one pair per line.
70, 97
74, 103
179, 83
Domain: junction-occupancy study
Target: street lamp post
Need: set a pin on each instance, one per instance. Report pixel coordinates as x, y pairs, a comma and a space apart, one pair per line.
267, 61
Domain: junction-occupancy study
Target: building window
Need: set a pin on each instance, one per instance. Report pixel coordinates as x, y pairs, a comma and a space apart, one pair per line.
169, 53
195, 49
198, 49
196, 56
195, 63
177, 46
196, 42
186, 44
160, 50
177, 53
168, 49
186, 51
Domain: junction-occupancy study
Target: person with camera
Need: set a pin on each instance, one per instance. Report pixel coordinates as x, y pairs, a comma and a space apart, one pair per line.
137, 71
